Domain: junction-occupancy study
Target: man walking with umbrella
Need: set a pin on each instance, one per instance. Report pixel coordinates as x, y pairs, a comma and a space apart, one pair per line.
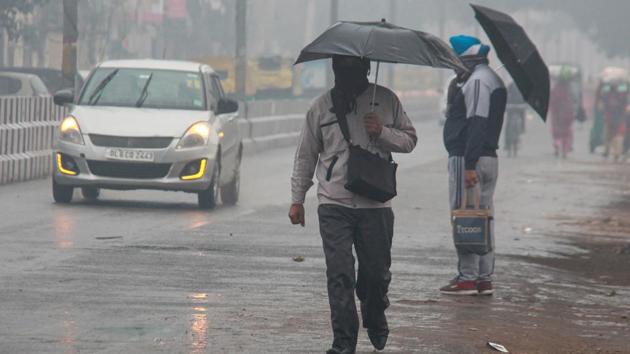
345, 218
347, 141
476, 102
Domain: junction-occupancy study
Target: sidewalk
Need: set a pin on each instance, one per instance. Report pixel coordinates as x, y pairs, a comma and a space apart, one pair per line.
563, 245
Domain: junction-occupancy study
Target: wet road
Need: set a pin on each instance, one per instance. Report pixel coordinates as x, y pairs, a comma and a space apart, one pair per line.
141, 272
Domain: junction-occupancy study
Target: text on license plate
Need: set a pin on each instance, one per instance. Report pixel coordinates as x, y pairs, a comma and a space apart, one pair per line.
130, 155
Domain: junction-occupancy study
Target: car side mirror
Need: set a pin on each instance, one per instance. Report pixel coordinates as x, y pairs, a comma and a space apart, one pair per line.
63, 97
227, 105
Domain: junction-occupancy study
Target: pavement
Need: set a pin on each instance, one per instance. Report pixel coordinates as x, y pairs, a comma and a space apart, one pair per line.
147, 272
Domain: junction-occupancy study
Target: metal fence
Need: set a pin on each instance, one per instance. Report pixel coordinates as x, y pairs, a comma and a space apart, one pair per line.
27, 130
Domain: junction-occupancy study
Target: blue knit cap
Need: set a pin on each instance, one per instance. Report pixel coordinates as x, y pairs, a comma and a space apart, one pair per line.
464, 45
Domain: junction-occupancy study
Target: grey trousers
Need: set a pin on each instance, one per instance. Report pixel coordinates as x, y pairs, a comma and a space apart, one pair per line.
371, 232
473, 266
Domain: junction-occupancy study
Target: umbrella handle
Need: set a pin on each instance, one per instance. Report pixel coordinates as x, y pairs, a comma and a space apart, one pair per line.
378, 63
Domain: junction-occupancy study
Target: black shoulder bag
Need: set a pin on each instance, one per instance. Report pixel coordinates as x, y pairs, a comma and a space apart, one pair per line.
369, 175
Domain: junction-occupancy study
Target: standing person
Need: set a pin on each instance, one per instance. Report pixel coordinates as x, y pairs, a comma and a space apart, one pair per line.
626, 137
563, 113
515, 120
345, 218
471, 135
615, 104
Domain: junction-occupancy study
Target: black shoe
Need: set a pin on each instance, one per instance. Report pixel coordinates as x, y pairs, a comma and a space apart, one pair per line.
334, 350
378, 337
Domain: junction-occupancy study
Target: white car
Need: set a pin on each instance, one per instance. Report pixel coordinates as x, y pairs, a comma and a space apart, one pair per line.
149, 124
20, 84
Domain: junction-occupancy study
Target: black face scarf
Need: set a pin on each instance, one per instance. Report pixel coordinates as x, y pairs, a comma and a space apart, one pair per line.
470, 61
350, 80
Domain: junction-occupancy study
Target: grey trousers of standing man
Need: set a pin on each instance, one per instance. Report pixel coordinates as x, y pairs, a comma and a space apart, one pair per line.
473, 266
371, 232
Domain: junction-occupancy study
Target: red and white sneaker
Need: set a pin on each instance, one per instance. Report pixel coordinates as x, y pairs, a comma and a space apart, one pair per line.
459, 287
484, 287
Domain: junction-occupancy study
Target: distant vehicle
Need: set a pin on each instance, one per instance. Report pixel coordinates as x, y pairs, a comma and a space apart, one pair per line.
149, 124
52, 78
274, 77
17, 84
267, 77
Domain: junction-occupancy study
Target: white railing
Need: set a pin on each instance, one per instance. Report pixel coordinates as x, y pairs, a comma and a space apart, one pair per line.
27, 130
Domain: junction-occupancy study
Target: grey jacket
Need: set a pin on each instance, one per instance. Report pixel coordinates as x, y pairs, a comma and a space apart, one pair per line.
323, 150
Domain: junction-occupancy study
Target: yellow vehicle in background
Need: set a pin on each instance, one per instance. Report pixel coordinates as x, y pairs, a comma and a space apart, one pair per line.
267, 77
273, 77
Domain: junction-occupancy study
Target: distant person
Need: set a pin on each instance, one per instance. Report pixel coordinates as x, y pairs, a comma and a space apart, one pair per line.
477, 103
626, 137
615, 104
346, 218
563, 114
514, 120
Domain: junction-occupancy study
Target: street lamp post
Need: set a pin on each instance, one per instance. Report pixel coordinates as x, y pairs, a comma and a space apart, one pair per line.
241, 49
70, 37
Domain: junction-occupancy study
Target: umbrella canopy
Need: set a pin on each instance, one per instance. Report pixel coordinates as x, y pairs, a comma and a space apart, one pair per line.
381, 42
519, 55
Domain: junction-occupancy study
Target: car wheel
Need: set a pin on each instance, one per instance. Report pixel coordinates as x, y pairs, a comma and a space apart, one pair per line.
231, 191
90, 193
208, 198
61, 194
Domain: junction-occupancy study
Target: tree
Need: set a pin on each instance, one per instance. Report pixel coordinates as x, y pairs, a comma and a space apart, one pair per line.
11, 12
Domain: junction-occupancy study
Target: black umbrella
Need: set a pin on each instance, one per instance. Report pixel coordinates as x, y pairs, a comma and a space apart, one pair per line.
519, 55
381, 42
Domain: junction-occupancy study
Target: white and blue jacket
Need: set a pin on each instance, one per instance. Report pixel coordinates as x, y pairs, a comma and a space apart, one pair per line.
474, 115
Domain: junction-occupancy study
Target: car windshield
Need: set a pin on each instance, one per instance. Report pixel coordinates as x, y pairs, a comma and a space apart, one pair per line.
150, 88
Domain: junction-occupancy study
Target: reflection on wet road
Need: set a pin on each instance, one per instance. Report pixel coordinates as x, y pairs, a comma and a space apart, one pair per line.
64, 228
199, 329
68, 338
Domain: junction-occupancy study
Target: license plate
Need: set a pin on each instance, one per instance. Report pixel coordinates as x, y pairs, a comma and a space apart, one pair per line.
130, 155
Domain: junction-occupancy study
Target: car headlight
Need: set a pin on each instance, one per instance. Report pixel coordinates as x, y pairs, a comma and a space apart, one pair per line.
69, 131
196, 136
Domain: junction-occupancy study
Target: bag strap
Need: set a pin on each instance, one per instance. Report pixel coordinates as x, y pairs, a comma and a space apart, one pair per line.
341, 116
464, 202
